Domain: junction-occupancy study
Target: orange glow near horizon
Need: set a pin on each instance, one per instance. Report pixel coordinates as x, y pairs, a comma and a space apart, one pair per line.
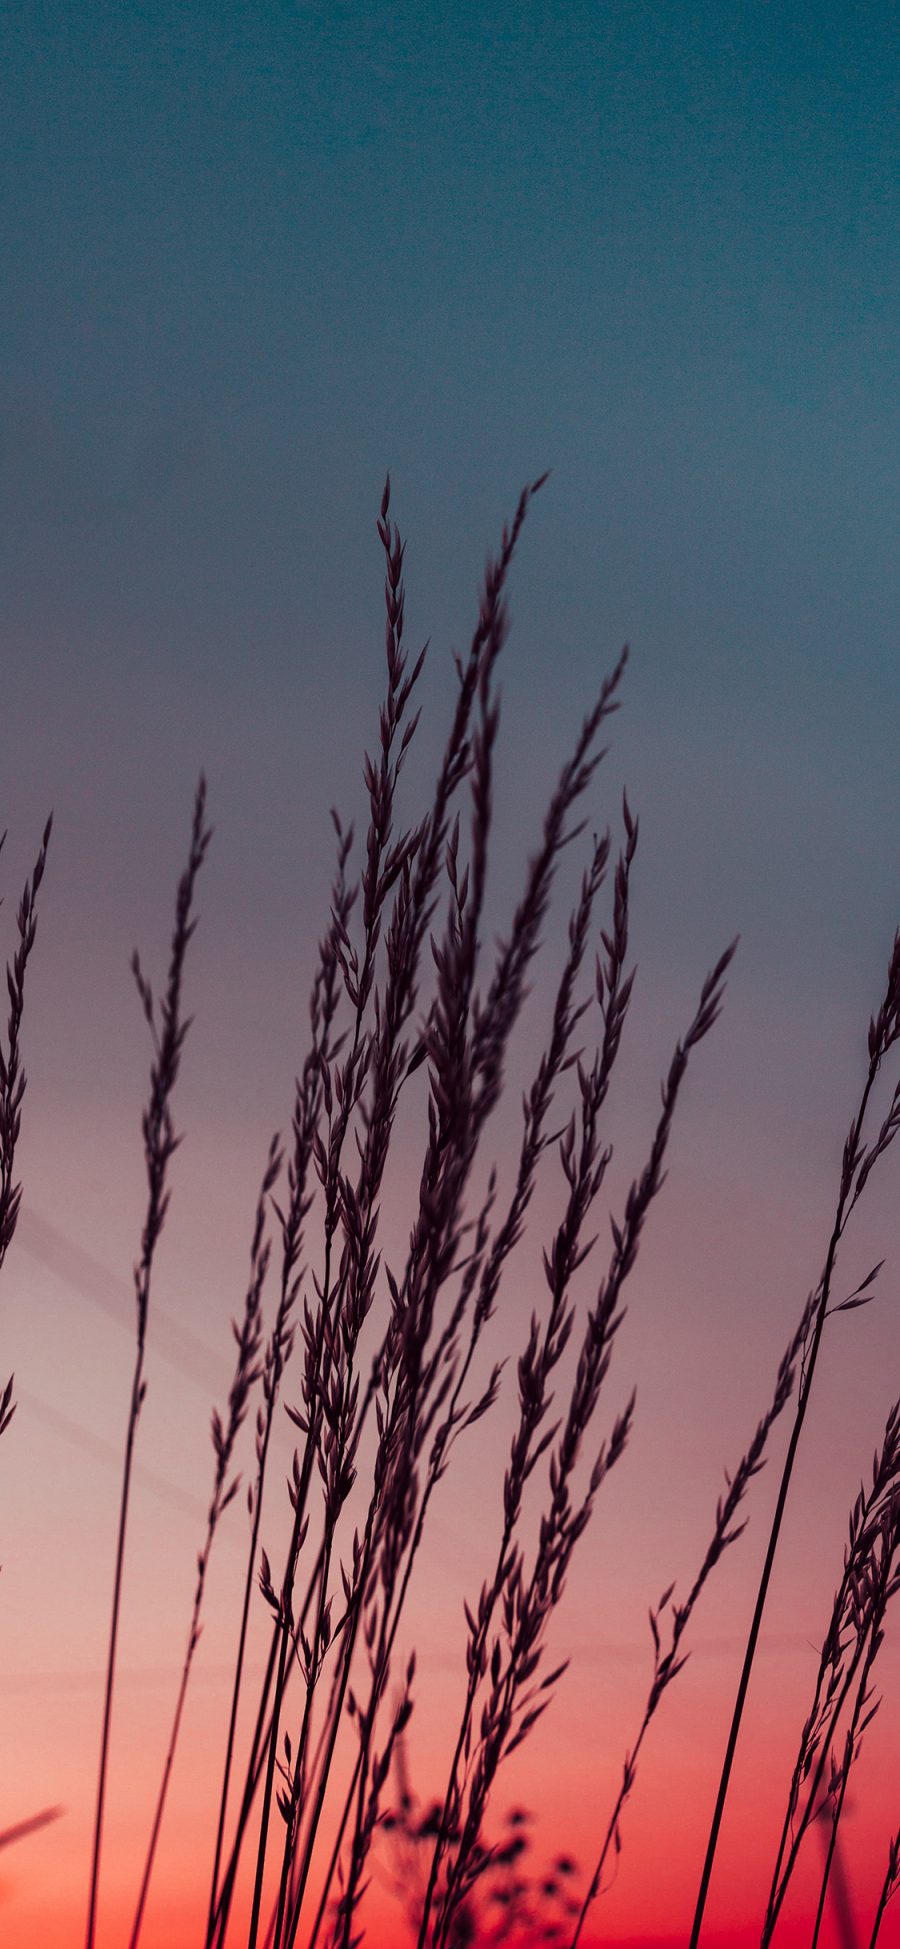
655, 1510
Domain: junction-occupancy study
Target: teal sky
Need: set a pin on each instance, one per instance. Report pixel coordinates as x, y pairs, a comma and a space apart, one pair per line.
256, 255
253, 255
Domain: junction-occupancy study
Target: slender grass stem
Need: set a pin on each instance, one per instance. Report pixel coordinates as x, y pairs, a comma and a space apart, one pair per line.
889, 1887
856, 1166
159, 1144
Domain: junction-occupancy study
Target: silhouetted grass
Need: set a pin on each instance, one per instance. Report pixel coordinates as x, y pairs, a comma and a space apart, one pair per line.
13, 1078
378, 1364
168, 1030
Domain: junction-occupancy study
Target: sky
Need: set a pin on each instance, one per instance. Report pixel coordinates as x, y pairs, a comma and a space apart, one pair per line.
256, 256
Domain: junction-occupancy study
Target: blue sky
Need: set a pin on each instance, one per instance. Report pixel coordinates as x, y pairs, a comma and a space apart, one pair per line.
256, 254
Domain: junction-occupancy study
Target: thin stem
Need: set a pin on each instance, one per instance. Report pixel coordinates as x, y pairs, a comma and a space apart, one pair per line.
12, 1079
868, 1512
136, 1396
159, 1144
776, 1901
12, 1075
283, 1653
888, 1887
258, 1748
221, 1896
666, 1666
528, 1603
305, 1123
537, 1104
161, 1798
352, 1076
299, 1761
247, 1372
881, 1584
386, 864
884, 1029
837, 1810
325, 1768
775, 1532
404, 947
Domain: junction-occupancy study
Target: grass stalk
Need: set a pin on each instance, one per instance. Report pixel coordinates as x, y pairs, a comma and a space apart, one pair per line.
882, 1583
168, 1034
503, 1002
857, 1163
386, 864
667, 1664
411, 914
889, 1888
247, 1372
305, 1131
849, 1624
13, 1079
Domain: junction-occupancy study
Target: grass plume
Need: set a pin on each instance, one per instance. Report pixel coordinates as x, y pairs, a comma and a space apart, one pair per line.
168, 1029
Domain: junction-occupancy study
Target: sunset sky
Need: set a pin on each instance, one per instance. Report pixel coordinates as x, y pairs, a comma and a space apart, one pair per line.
254, 256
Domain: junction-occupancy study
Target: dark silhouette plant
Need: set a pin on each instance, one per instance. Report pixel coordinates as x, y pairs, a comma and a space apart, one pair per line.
383, 1368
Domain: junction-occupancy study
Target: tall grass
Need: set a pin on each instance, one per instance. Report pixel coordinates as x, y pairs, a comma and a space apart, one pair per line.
13, 1077
168, 1030
381, 1366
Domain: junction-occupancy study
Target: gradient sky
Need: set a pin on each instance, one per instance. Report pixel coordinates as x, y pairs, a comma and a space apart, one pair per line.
254, 256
